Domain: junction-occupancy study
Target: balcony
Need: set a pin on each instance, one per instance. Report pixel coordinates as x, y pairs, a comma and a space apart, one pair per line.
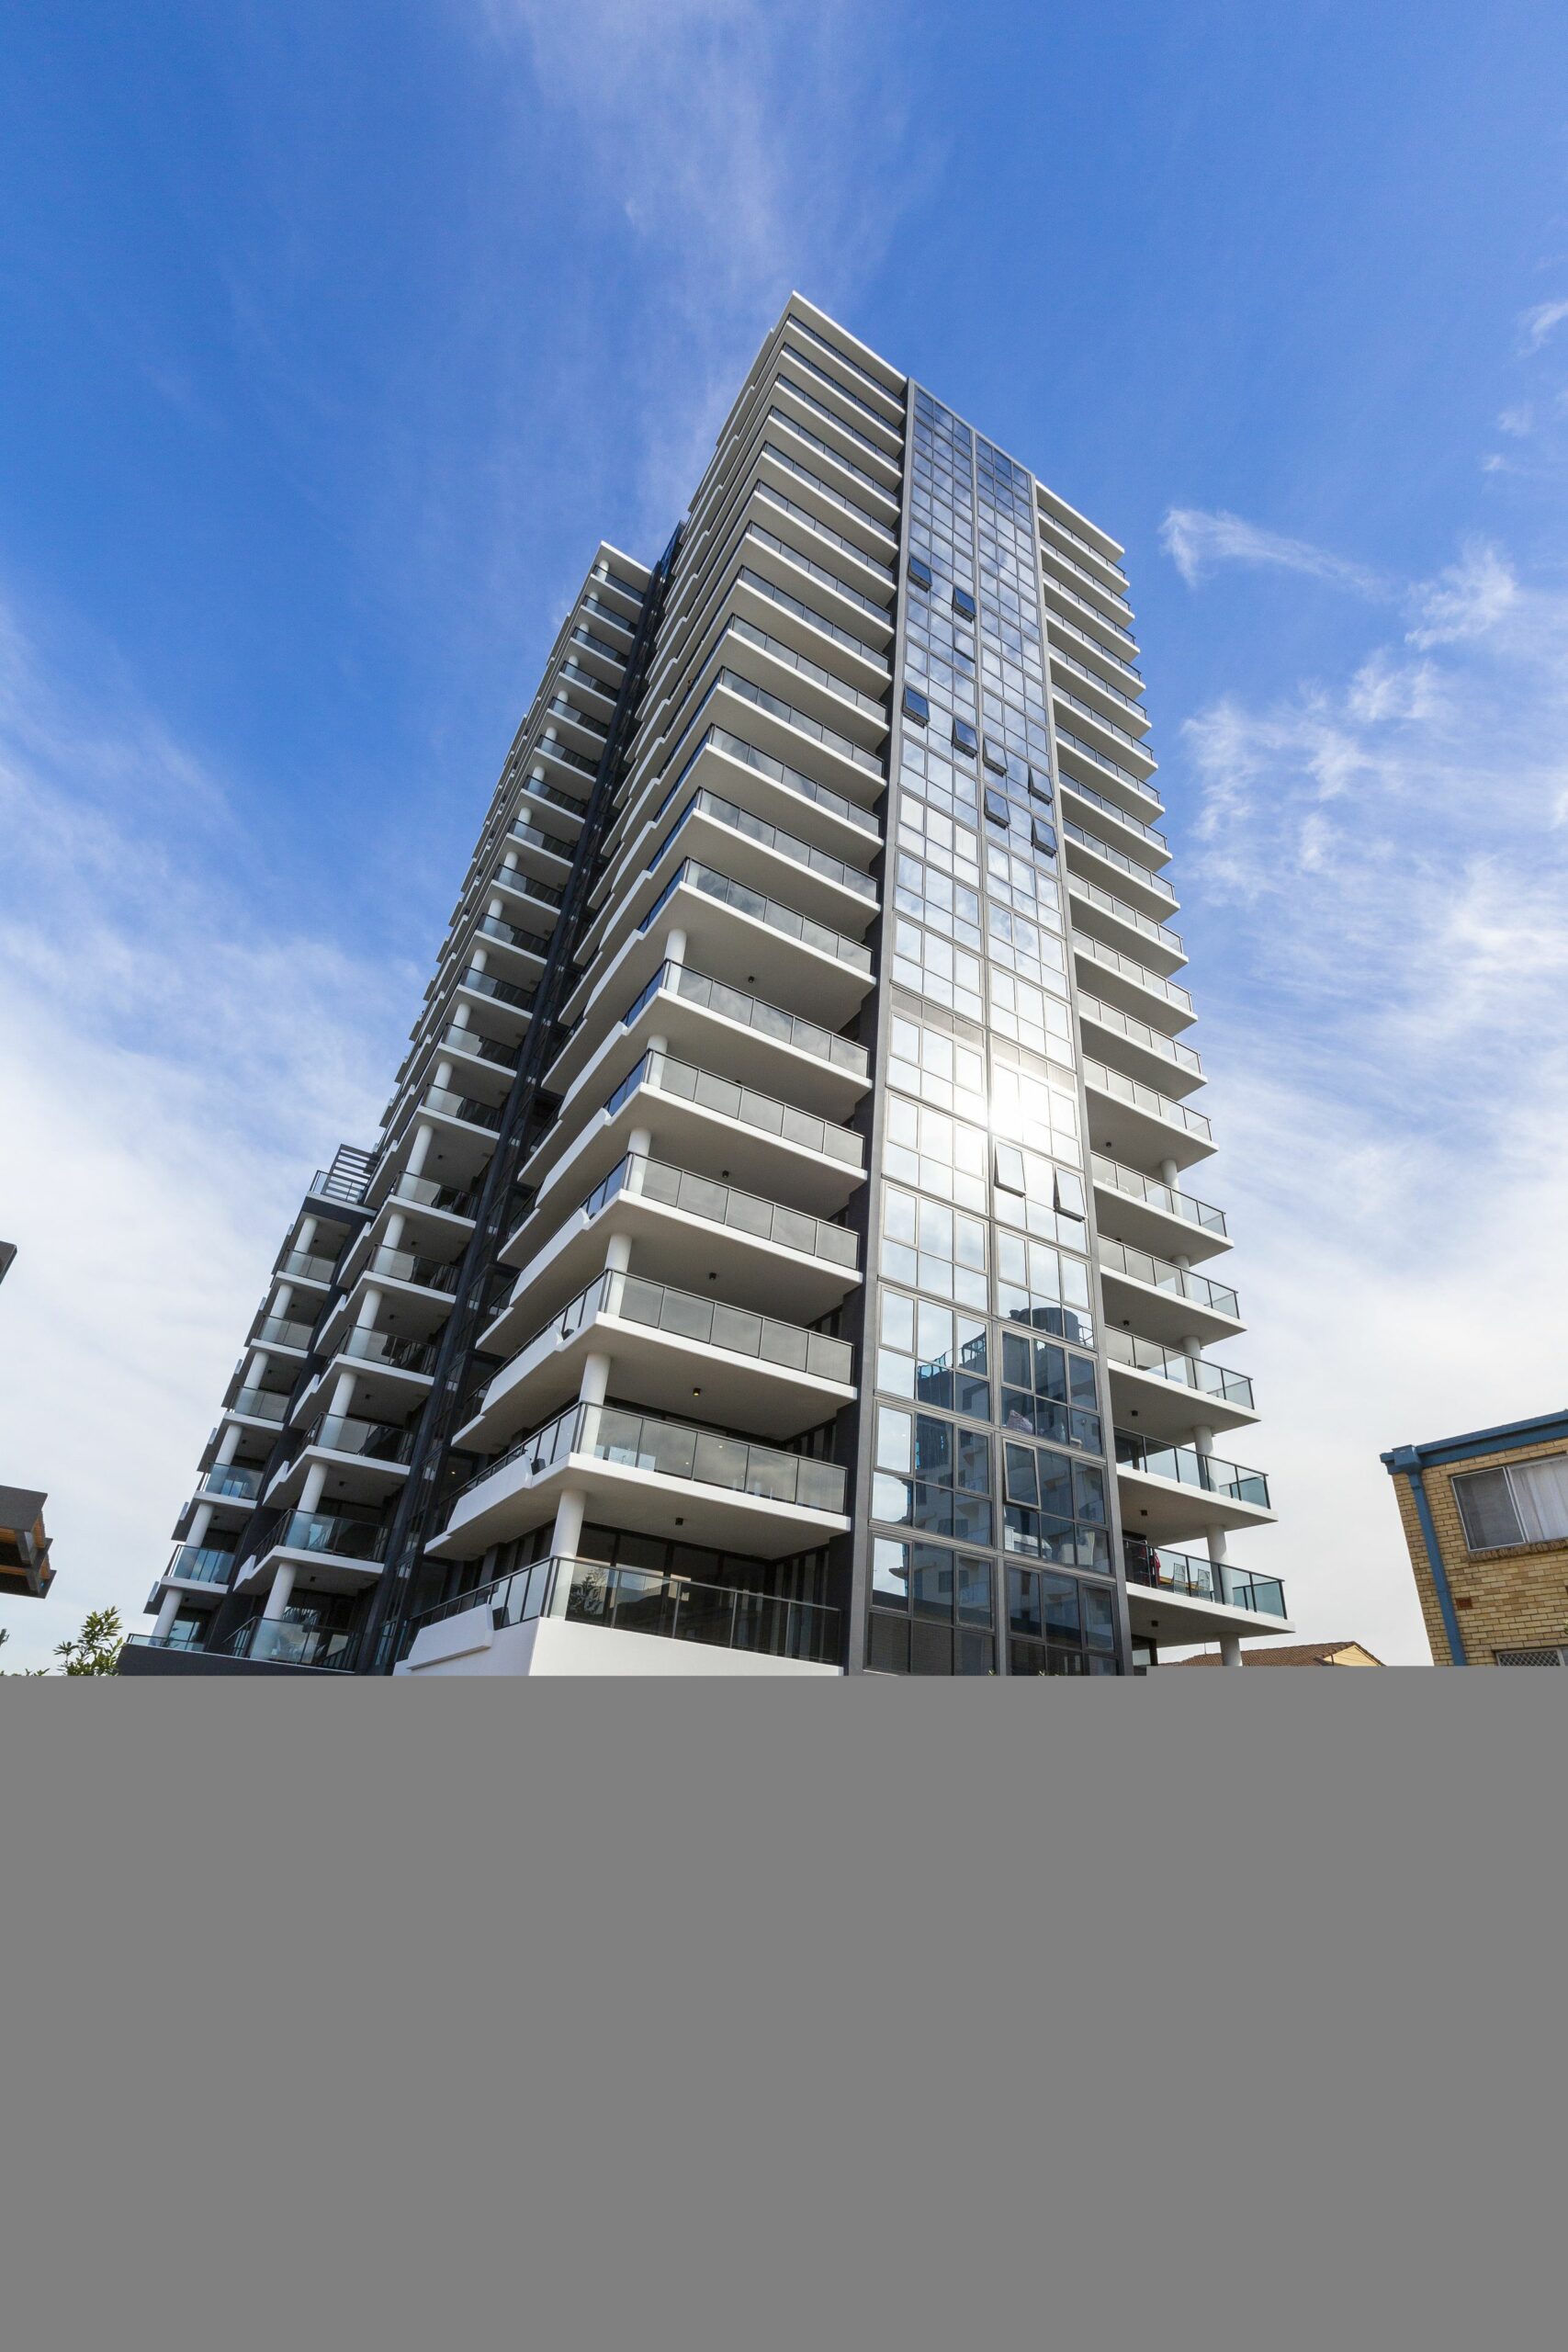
209, 1564
1172, 1491
280, 1335
667, 1608
1136, 784
235, 1482
1131, 707
1097, 861
871, 622
302, 1266
686, 1229
663, 1478
1170, 1393
1175, 1598
1099, 656
1123, 980
1131, 1122
867, 583
1168, 1303
830, 698
1103, 916
753, 851
668, 1346
1140, 1210
276, 1641
268, 1406
339, 1550
806, 627
763, 1145
1144, 845
1141, 1051
726, 1031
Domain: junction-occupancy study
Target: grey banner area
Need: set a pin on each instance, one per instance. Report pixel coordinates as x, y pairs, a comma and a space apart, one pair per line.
1210, 2009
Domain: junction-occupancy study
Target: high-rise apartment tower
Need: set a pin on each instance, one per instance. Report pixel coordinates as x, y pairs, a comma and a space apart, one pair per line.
779, 1254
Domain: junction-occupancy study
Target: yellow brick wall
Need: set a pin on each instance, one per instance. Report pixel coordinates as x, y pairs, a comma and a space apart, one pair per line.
1518, 1598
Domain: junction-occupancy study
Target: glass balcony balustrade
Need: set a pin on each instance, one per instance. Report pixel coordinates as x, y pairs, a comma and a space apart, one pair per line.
301, 1266
814, 522
1188, 1467
277, 1641
1139, 1187
1112, 960
280, 1332
202, 1563
1116, 857
801, 722
404, 1266
747, 633
1152, 1565
461, 1106
692, 875
373, 1440
750, 1013
261, 1404
337, 1532
511, 935
1145, 1097
386, 1347
780, 597
712, 1203
424, 1192
235, 1481
686, 1083
503, 991
1145, 925
517, 877
1171, 1364
783, 844
1138, 1266
1061, 659
663, 1449
645, 1602
819, 489
708, 1322
1097, 800
1138, 1033
816, 571
1087, 710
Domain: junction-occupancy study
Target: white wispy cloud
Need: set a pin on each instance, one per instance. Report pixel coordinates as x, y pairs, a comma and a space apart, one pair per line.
174, 1060
1385, 862
1199, 541
1537, 325
750, 147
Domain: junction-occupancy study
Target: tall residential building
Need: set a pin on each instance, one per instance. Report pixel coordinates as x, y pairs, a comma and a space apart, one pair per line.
1485, 1518
778, 1254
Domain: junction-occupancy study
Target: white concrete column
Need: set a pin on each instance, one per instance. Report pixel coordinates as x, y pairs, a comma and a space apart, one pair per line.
442, 1074
168, 1612
1230, 1649
1170, 1174
342, 1395
639, 1143
619, 1254
370, 1304
309, 1227
227, 1446
201, 1522
567, 1532
675, 949
420, 1150
282, 1586
595, 1379
315, 1480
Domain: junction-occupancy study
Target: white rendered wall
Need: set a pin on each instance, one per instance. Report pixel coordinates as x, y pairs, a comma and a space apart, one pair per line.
466, 1645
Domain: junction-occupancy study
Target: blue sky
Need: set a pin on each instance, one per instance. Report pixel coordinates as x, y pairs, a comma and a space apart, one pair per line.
335, 336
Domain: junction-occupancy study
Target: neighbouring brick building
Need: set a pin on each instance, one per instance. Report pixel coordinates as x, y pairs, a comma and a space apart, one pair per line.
1485, 1518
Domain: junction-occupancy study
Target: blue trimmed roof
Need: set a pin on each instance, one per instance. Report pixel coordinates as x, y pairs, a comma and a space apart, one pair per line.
1501, 1440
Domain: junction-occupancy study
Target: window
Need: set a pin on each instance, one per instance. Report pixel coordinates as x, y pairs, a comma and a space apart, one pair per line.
934, 1248
963, 601
1043, 837
1031, 1192
1527, 1503
939, 1153
920, 572
934, 1356
1040, 1286
1048, 1392
930, 1610
916, 707
937, 1068
995, 757
1055, 1508
932, 1476
963, 735
1059, 1626
996, 810
934, 967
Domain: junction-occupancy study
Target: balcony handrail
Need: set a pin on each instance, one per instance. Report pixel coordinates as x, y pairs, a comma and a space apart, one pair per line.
1087, 710
1196, 1373
512, 935
1131, 969
805, 1629
279, 1331
1092, 644
1188, 1467
304, 1266
1045, 515
1097, 799
1138, 1033
825, 489
1137, 1186
709, 1322
648, 1442
201, 1563
1141, 1266
735, 1004
694, 874
1058, 659
1060, 588
261, 1404
816, 571
706, 1199
1116, 857
685, 1082
777, 651
823, 530
1110, 904
770, 589
1147, 1099
1056, 556
709, 803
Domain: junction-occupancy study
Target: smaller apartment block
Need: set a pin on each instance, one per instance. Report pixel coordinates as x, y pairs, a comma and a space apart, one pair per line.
1485, 1517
